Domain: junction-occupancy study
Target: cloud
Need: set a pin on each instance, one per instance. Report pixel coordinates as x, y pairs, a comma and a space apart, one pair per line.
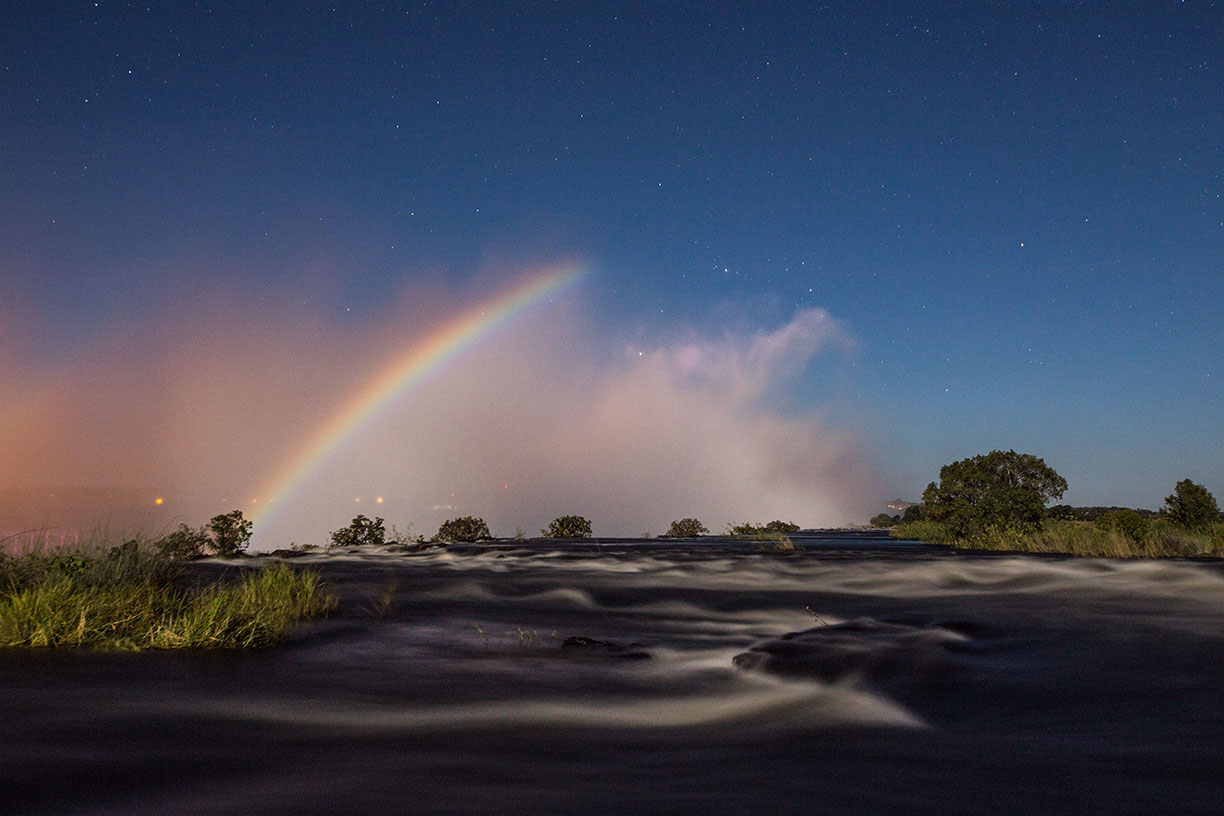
207, 401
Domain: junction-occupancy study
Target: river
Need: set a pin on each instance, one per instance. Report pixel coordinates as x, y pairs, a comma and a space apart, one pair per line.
855, 675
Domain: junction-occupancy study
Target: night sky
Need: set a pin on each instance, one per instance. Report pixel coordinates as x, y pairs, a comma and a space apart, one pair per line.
1013, 213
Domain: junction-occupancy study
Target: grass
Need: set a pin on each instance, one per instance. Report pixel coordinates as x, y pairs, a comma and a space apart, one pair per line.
382, 605
134, 597
1160, 539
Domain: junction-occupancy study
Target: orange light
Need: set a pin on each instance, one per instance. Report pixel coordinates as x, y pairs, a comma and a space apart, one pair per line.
158, 500
379, 500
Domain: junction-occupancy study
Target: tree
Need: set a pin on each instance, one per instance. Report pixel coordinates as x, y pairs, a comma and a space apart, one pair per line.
884, 520
231, 533
1000, 489
464, 528
1192, 506
568, 527
360, 532
686, 528
783, 527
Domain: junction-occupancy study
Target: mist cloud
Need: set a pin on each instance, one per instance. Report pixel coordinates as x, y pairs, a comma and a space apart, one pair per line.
207, 402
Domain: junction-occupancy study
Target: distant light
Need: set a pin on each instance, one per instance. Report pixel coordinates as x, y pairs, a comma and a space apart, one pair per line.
379, 500
357, 499
158, 500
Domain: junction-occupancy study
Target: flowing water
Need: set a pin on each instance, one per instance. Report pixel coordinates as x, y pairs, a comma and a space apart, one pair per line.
857, 675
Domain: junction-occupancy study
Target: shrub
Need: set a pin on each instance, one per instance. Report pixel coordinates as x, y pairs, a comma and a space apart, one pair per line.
231, 533
183, 543
686, 528
783, 527
568, 527
360, 532
884, 520
1192, 507
464, 528
1127, 522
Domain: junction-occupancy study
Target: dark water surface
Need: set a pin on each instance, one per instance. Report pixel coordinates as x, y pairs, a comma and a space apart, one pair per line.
856, 676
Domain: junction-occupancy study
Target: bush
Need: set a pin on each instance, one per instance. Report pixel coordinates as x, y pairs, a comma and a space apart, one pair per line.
1127, 522
884, 520
568, 527
360, 532
686, 528
783, 527
231, 533
464, 528
183, 543
1192, 507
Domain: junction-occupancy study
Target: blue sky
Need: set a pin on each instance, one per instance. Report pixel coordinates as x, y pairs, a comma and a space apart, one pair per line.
1015, 210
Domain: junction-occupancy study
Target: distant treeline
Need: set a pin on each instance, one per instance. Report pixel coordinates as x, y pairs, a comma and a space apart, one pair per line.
1060, 512
1066, 512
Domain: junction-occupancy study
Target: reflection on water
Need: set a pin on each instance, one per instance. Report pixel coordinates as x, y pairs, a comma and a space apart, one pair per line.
858, 675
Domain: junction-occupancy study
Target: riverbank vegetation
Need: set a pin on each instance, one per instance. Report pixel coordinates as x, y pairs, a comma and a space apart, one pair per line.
140, 595
1160, 539
998, 502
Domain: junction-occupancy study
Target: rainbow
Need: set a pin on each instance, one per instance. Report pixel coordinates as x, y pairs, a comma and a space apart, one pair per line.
411, 368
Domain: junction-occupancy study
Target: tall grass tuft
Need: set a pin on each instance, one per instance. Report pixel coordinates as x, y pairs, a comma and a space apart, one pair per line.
134, 597
775, 541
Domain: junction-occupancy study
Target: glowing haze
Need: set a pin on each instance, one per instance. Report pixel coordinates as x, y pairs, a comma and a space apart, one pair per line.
423, 358
505, 406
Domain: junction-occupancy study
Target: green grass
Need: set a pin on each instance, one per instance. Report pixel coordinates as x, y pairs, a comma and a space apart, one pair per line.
133, 597
1160, 539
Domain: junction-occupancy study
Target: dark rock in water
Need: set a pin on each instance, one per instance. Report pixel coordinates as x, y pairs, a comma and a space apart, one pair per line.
417, 546
898, 657
606, 648
288, 553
